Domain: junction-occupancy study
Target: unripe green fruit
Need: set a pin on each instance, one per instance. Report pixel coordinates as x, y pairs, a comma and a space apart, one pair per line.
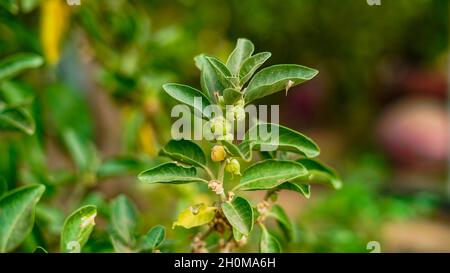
233, 167
239, 112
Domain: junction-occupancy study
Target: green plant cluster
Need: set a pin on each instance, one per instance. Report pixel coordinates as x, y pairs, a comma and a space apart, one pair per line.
232, 216
288, 167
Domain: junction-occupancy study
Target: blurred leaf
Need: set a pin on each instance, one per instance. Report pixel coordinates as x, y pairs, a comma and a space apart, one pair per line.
318, 173
17, 210
67, 109
118, 245
27, 6
16, 93
184, 151
124, 218
51, 218
17, 118
117, 167
275, 78
154, 238
13, 65
195, 216
77, 229
243, 50
268, 174
3, 186
82, 152
171, 173
283, 221
10, 5
268, 242
40, 249
239, 213
250, 65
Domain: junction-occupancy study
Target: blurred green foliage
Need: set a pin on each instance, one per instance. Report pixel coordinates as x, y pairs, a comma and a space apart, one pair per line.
124, 51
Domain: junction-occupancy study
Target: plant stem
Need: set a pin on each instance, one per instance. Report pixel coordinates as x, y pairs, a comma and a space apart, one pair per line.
269, 194
206, 233
210, 173
220, 177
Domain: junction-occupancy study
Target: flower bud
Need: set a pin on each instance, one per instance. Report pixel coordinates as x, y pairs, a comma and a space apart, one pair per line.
240, 102
218, 153
227, 137
221, 101
233, 167
220, 126
239, 112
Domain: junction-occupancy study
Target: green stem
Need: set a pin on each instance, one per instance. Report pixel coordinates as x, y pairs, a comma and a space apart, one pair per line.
269, 194
220, 178
210, 173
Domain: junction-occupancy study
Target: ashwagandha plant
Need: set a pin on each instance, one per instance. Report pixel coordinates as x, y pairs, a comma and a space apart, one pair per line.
287, 165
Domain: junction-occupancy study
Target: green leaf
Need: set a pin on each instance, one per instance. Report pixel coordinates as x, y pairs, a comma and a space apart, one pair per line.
50, 218
270, 173
82, 152
27, 6
268, 242
241, 151
40, 249
13, 65
195, 216
283, 221
17, 209
303, 189
287, 140
184, 151
171, 173
153, 238
243, 50
10, 5
77, 229
319, 173
17, 118
250, 66
208, 78
187, 95
124, 218
118, 244
231, 96
3, 186
239, 213
276, 78
118, 166
222, 73
237, 235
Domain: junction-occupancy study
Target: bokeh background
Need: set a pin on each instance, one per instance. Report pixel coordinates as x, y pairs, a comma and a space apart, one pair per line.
378, 110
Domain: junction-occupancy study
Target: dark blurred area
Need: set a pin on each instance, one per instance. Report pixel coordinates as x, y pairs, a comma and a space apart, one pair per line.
378, 109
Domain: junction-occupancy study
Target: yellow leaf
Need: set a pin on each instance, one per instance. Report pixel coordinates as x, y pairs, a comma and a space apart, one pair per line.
55, 15
195, 216
147, 138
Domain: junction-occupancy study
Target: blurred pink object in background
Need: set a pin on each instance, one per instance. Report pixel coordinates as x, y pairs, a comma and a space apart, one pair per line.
415, 132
